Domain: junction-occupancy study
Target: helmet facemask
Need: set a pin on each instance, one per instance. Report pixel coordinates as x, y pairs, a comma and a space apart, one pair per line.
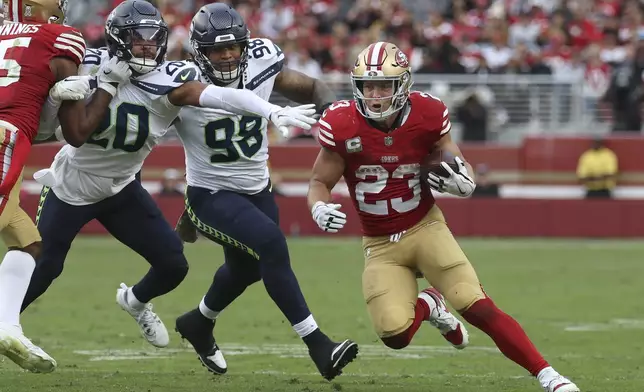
151, 41
221, 72
382, 90
62, 6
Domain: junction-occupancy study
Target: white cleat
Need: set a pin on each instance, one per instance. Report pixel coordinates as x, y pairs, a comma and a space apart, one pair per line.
151, 326
560, 384
15, 346
452, 329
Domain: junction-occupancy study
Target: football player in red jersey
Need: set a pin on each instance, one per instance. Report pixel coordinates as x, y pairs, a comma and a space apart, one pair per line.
37, 50
377, 142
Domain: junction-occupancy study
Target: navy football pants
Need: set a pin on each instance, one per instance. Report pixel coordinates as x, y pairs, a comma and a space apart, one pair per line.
247, 226
132, 217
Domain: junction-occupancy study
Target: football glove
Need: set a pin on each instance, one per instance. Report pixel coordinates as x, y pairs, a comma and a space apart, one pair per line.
459, 183
186, 229
112, 73
299, 116
328, 217
72, 88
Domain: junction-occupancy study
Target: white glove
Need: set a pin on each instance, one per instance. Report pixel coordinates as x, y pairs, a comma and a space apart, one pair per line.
113, 73
328, 217
459, 183
299, 116
72, 88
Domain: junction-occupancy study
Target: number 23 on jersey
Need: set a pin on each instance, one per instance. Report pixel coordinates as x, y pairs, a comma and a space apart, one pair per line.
405, 178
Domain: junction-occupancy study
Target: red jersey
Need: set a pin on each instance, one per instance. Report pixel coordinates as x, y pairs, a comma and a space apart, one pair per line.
383, 169
25, 77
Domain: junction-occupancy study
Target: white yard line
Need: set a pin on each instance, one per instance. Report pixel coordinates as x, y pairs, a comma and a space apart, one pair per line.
367, 351
612, 325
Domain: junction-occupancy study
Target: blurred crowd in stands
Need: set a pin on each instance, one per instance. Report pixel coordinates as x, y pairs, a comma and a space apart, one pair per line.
596, 42
440, 36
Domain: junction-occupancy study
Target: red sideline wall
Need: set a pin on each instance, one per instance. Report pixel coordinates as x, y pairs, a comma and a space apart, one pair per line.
535, 154
474, 217
505, 217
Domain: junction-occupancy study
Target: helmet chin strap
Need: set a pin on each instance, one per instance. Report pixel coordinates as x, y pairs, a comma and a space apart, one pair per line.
234, 75
380, 116
142, 65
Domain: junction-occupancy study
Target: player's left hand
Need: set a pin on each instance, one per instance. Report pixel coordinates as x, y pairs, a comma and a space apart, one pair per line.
328, 217
459, 182
299, 116
112, 73
72, 88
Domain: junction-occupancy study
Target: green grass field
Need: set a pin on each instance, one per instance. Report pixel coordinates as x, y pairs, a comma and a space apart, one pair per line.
580, 301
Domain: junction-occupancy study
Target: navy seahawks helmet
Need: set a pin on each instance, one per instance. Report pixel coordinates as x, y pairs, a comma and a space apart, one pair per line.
132, 21
215, 25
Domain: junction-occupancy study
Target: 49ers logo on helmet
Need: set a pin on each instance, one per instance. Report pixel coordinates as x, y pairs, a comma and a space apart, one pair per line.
401, 59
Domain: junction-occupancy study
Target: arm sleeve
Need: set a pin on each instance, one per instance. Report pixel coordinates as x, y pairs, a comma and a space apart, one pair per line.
242, 102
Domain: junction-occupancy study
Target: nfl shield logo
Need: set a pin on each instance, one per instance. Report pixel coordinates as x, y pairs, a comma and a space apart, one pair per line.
389, 140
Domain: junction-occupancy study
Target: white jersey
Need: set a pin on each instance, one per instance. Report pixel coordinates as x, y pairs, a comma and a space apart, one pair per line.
225, 151
138, 117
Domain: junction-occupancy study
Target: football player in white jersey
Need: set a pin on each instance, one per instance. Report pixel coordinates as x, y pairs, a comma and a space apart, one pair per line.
96, 180
229, 197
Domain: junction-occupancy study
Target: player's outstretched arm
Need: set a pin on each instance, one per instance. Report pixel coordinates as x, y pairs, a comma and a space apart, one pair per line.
302, 88
79, 120
327, 171
242, 102
72, 88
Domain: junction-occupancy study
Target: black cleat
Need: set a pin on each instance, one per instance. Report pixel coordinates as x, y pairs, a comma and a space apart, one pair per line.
197, 330
331, 358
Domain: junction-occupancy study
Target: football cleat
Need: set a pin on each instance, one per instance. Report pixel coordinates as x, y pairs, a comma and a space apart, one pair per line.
152, 328
452, 329
330, 358
560, 384
197, 330
15, 346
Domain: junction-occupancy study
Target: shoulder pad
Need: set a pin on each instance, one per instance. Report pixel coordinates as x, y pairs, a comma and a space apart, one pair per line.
93, 60
167, 77
266, 59
68, 42
433, 110
264, 49
338, 123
